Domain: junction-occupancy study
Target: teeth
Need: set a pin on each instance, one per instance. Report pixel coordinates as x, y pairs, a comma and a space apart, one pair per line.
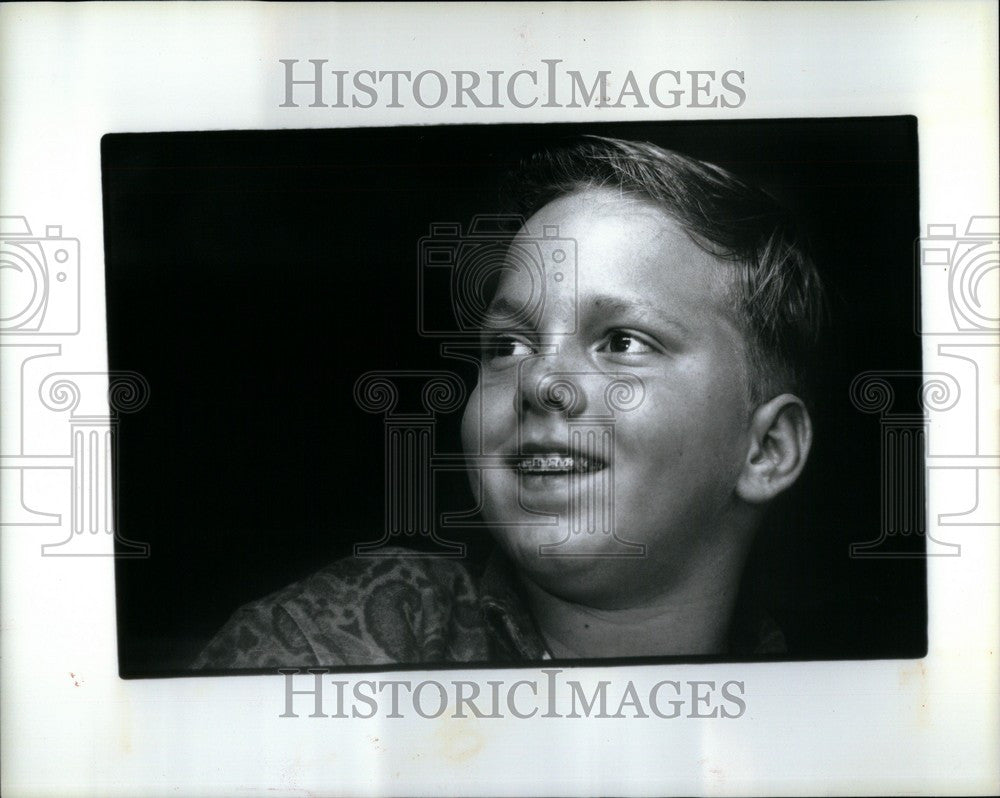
553, 464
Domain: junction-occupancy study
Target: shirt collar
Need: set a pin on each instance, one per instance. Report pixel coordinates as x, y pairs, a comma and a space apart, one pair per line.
515, 635
513, 631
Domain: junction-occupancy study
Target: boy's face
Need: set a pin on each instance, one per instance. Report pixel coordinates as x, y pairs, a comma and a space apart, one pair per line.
647, 304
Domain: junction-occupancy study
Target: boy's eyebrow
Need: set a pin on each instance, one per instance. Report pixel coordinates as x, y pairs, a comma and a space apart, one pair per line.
615, 304
514, 314
517, 312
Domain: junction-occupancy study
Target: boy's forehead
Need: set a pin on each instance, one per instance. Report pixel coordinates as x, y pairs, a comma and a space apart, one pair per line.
626, 247
586, 205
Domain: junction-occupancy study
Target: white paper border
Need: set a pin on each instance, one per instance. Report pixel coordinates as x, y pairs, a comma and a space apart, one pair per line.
70, 73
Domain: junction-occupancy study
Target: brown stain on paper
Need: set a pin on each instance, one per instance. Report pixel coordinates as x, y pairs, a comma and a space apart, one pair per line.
918, 672
459, 740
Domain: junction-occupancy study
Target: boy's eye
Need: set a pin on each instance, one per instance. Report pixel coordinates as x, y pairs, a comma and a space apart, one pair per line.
505, 346
620, 342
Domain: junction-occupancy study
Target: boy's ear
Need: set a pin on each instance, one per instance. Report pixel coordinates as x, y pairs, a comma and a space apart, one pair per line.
780, 438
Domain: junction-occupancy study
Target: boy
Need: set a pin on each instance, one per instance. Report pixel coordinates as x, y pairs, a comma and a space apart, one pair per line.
691, 286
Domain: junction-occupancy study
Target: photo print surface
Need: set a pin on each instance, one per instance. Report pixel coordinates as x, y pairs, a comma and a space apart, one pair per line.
500, 394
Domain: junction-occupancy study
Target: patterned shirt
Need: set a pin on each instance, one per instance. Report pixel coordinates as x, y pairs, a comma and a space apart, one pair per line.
403, 608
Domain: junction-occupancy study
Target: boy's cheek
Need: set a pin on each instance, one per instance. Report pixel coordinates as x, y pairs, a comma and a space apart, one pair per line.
472, 423
489, 418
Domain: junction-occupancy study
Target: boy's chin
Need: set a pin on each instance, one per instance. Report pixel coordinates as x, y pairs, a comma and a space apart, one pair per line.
551, 554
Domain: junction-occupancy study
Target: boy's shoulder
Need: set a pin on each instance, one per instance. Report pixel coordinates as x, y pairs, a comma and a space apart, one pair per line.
400, 606
392, 565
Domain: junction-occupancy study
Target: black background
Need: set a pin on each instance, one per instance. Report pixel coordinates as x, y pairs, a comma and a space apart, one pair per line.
253, 276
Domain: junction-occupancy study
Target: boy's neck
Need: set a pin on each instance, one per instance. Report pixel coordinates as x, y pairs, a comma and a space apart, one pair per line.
688, 621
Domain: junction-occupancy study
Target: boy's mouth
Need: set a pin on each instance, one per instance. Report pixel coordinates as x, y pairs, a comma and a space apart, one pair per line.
554, 464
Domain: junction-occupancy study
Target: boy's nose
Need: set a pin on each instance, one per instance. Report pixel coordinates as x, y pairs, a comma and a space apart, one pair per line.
565, 386
554, 383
